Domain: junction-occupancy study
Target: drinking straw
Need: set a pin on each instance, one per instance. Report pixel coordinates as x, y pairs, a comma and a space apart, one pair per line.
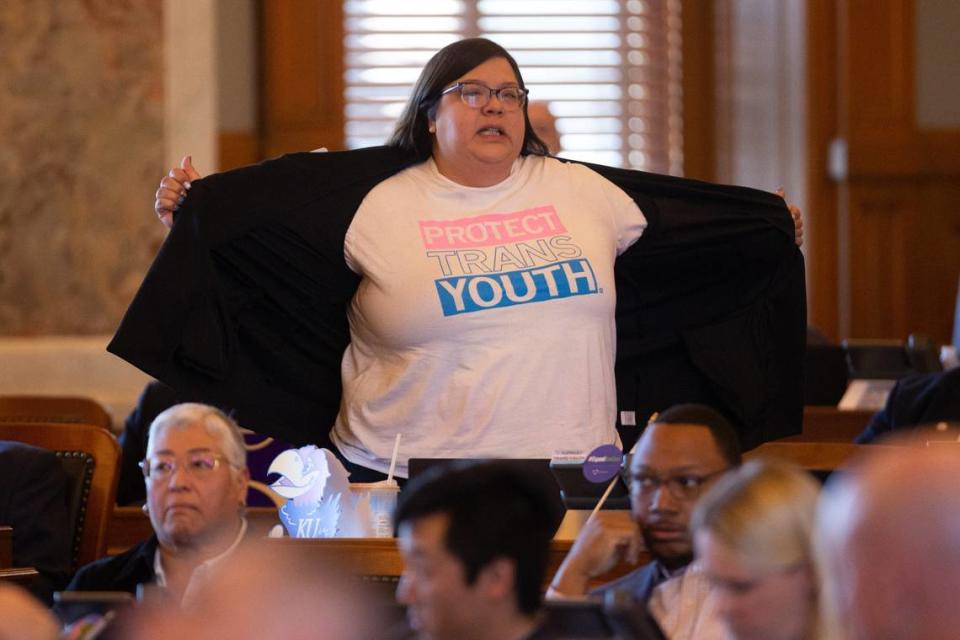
393, 458
602, 499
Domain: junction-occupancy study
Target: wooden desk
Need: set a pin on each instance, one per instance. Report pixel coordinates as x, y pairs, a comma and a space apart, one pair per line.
130, 525
23, 576
6, 547
380, 556
829, 424
365, 556
818, 457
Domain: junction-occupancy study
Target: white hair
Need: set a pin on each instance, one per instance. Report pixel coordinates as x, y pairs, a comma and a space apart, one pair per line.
216, 422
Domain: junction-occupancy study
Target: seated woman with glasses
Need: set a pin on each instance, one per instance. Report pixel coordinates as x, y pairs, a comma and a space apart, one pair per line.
456, 286
752, 537
196, 478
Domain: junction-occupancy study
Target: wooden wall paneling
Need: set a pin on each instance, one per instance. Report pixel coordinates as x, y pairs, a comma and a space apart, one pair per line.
897, 232
822, 226
876, 120
879, 218
878, 83
238, 148
933, 255
699, 146
879, 64
940, 153
302, 75
900, 255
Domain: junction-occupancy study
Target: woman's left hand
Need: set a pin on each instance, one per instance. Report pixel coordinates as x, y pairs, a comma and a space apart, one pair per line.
797, 218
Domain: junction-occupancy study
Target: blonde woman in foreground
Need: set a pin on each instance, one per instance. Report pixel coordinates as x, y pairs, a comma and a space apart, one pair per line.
752, 538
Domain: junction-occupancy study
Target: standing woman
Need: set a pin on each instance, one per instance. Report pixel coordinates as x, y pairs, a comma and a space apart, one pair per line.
483, 324
472, 274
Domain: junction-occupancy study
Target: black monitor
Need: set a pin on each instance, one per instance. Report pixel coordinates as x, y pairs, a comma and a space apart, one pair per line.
825, 374
891, 359
574, 491
538, 468
579, 493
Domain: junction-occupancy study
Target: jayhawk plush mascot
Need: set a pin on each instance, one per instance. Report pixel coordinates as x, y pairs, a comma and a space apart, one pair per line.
319, 502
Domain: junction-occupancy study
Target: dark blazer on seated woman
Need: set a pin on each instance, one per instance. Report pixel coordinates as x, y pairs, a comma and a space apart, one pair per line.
122, 572
33, 500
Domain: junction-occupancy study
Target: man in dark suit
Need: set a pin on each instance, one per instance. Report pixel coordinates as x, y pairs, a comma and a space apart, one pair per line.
33, 500
917, 399
888, 533
677, 459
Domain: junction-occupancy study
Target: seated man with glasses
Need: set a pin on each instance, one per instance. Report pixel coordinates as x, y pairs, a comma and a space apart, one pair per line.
677, 459
196, 478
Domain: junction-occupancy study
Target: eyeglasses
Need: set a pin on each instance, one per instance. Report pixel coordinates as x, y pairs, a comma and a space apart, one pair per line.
682, 487
198, 465
477, 95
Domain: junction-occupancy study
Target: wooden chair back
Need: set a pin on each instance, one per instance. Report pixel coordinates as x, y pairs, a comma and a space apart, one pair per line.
68, 409
91, 456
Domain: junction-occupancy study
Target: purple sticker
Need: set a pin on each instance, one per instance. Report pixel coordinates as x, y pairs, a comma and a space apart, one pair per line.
602, 463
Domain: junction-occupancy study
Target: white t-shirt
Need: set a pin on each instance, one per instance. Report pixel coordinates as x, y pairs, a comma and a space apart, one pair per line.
483, 325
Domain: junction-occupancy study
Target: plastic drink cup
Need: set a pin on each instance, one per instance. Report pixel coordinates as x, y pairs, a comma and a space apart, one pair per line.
383, 501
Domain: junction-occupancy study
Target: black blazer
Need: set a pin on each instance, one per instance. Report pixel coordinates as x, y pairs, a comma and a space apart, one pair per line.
245, 305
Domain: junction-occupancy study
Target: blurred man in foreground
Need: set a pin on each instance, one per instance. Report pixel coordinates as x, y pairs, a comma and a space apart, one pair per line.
888, 537
23, 618
475, 542
270, 590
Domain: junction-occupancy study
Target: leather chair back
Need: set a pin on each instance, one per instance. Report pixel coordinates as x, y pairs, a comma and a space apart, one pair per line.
91, 457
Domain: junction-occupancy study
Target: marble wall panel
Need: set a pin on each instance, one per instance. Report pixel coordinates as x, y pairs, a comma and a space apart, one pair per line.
81, 152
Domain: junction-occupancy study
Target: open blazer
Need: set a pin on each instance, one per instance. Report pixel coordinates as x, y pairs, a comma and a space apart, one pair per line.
245, 305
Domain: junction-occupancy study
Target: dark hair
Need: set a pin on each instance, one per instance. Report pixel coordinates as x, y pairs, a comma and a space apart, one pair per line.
720, 428
441, 70
496, 510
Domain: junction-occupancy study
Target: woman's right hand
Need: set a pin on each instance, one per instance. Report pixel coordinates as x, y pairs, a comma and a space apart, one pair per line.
173, 190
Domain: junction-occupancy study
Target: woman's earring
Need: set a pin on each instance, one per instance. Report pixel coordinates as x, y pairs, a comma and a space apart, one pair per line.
432, 128
145, 508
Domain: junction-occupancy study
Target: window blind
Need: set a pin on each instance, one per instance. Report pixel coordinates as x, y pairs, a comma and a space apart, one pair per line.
608, 69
